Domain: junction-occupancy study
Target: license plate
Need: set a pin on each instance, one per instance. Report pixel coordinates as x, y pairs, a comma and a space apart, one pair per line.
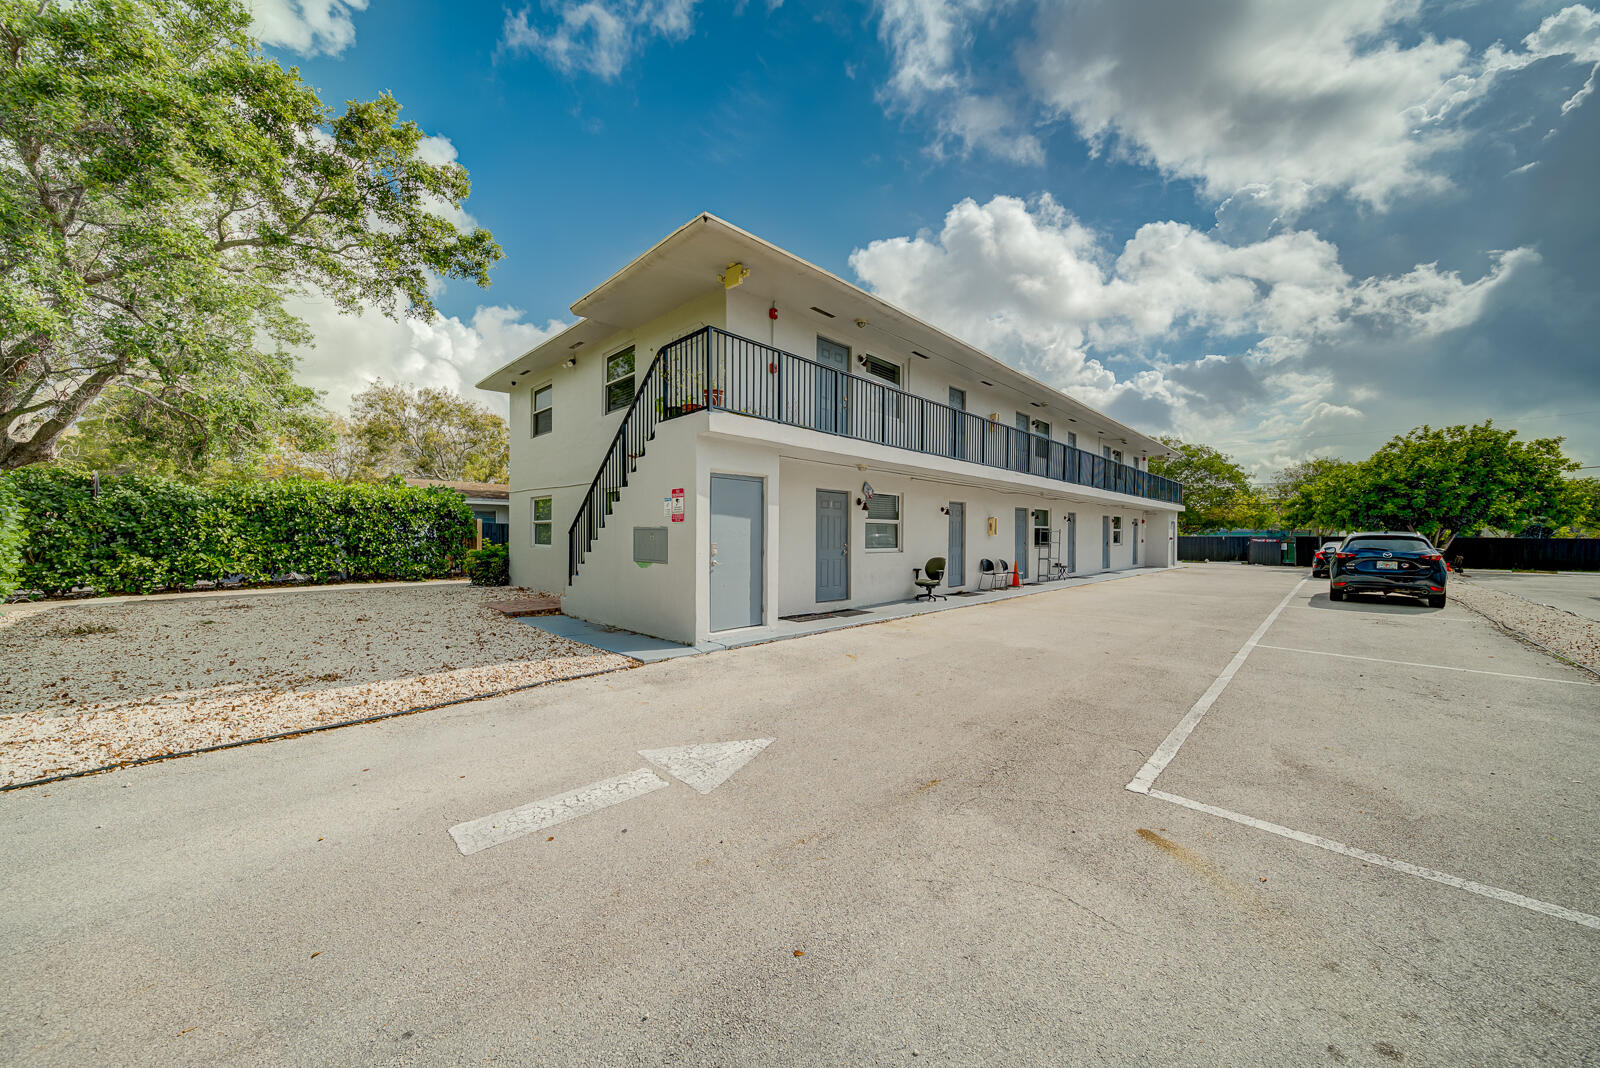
1388, 565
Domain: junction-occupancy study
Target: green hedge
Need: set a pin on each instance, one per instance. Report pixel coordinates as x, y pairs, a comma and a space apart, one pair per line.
139, 534
489, 566
11, 535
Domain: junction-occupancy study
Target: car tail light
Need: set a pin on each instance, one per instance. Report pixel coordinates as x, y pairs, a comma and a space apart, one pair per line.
1436, 589
1433, 556
1346, 556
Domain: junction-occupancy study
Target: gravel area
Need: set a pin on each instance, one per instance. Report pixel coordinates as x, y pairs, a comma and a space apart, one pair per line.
84, 684
1569, 635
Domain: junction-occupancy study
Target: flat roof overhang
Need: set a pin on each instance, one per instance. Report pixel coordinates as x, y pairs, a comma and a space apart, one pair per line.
685, 265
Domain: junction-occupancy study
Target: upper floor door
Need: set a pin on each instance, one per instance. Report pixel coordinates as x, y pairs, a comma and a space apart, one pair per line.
958, 423
833, 387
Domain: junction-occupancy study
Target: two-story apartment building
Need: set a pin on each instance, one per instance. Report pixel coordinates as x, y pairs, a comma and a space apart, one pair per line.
730, 435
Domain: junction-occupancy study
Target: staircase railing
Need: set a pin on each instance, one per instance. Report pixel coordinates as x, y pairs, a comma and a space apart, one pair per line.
637, 428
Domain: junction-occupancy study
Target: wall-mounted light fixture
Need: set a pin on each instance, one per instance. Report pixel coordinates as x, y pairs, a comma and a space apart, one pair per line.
572, 361
944, 509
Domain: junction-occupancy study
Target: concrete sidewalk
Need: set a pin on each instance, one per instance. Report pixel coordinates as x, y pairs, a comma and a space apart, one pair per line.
649, 650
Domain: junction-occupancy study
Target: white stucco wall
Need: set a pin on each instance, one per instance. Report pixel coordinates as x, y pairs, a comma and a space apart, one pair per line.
562, 463
877, 576
661, 600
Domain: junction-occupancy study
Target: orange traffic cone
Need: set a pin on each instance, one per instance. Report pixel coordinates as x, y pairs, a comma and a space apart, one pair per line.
1016, 575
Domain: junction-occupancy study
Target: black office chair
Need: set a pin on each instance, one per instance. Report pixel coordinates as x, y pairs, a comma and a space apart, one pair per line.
932, 574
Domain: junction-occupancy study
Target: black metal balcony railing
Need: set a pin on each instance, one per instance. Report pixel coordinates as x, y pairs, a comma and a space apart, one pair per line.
712, 368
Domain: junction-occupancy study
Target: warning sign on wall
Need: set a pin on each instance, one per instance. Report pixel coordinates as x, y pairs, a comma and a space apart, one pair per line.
677, 505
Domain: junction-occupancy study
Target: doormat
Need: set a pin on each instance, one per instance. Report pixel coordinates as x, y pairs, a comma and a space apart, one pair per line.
967, 593
813, 616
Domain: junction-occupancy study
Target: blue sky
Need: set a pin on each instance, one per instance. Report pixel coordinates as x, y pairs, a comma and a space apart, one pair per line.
1276, 226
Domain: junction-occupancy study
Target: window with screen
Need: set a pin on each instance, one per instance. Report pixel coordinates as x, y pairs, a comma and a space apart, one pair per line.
883, 522
543, 514
619, 379
543, 416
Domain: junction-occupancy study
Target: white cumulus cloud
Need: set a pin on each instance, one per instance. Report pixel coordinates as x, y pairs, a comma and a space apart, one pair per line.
1029, 283
1289, 100
597, 36
352, 351
309, 27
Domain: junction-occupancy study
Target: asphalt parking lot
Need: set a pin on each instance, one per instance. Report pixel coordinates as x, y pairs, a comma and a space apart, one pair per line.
1369, 840
1577, 592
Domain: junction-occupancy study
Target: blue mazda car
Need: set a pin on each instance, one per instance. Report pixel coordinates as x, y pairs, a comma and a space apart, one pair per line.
1384, 562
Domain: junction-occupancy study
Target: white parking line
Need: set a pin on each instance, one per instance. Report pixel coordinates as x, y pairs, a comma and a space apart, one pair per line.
1492, 892
1169, 748
1143, 782
479, 834
1436, 667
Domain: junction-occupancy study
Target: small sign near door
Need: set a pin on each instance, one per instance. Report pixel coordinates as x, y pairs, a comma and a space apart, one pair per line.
677, 505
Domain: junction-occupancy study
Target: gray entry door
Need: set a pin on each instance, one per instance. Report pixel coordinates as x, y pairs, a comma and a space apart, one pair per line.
1020, 543
955, 561
1105, 542
833, 545
1133, 532
1072, 542
737, 550
833, 387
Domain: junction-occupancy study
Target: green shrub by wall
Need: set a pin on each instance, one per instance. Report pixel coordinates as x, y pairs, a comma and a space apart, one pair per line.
11, 535
139, 534
489, 566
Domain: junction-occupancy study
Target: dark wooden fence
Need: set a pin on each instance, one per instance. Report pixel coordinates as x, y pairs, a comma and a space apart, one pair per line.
1196, 547
1530, 554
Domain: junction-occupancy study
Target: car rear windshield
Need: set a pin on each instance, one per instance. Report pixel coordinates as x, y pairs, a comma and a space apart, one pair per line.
1394, 545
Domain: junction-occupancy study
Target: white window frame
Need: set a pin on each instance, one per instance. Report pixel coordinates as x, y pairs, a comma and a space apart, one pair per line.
895, 524
534, 410
1116, 456
535, 522
1072, 439
1116, 530
607, 382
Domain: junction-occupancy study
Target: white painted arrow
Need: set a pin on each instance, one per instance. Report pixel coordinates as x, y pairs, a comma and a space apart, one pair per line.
707, 766
701, 767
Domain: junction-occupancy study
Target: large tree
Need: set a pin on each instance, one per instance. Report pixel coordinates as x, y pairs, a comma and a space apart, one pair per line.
430, 433
1446, 482
164, 187
1217, 494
